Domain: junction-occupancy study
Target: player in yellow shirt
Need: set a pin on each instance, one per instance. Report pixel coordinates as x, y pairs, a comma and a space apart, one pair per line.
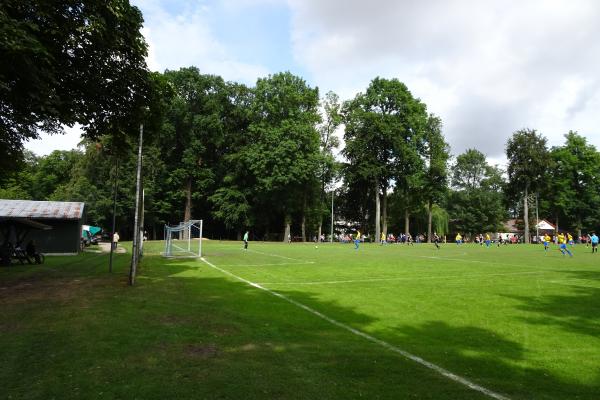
458, 239
547, 239
562, 244
357, 240
383, 241
570, 239
487, 240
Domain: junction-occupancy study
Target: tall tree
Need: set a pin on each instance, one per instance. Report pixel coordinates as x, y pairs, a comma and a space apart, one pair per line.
282, 153
70, 62
384, 137
332, 119
437, 153
195, 132
475, 203
575, 181
528, 161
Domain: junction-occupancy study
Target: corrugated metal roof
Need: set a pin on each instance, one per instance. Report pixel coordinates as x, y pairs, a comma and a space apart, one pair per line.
41, 209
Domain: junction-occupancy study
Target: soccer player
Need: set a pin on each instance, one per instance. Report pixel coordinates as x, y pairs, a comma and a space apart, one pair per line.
246, 240
562, 243
547, 239
571, 242
458, 239
357, 240
383, 241
594, 240
436, 240
487, 240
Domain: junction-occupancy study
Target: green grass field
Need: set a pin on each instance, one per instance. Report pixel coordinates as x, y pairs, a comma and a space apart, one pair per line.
512, 320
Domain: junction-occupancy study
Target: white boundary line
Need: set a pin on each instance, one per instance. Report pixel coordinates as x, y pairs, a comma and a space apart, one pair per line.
264, 265
388, 346
274, 255
402, 279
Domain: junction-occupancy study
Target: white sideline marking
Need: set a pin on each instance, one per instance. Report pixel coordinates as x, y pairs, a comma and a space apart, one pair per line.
417, 359
274, 255
264, 265
401, 279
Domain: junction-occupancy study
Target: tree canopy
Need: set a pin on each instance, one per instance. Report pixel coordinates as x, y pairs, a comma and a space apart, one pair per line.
70, 62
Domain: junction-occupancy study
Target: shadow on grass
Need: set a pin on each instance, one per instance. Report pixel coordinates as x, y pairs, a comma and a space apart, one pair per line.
575, 311
489, 360
181, 333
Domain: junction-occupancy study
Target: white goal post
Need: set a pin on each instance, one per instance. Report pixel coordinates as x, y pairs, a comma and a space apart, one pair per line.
184, 240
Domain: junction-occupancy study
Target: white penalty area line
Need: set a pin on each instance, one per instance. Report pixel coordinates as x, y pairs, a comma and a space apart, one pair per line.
275, 255
266, 265
401, 278
442, 371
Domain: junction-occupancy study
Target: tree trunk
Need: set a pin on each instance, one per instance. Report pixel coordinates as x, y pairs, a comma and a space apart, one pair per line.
406, 222
556, 231
304, 218
286, 223
429, 219
526, 215
319, 233
377, 214
384, 211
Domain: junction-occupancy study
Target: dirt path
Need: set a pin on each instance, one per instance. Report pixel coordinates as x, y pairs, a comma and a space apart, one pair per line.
105, 247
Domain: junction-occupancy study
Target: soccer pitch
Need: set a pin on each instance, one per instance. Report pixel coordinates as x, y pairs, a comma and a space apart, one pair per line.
294, 322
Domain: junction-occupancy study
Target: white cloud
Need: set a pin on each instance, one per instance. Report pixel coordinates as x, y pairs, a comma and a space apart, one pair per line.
487, 68
184, 38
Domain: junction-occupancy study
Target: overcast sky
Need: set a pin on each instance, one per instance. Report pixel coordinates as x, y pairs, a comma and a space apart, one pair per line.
487, 68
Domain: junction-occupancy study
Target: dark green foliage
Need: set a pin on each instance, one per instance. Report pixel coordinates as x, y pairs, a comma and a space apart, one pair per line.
70, 62
528, 165
528, 160
476, 203
571, 191
274, 163
385, 141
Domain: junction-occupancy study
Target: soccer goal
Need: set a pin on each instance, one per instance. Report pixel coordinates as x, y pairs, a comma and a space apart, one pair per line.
184, 240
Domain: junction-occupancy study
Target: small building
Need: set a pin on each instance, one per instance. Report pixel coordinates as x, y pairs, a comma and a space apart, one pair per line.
546, 227
56, 224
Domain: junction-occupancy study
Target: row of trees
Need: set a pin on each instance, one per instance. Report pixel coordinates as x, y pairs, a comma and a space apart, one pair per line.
263, 158
257, 157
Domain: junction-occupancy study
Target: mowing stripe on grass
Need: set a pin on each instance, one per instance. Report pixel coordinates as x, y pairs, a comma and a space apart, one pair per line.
399, 278
388, 346
573, 283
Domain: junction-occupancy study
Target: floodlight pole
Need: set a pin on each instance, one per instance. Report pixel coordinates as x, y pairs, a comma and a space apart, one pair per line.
116, 185
332, 194
136, 225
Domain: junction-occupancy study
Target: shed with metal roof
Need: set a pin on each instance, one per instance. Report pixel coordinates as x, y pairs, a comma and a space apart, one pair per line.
64, 218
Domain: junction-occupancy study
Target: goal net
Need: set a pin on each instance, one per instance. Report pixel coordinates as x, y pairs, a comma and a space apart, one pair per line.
184, 240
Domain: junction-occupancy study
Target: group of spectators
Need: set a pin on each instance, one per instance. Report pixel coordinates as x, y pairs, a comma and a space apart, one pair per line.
401, 238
